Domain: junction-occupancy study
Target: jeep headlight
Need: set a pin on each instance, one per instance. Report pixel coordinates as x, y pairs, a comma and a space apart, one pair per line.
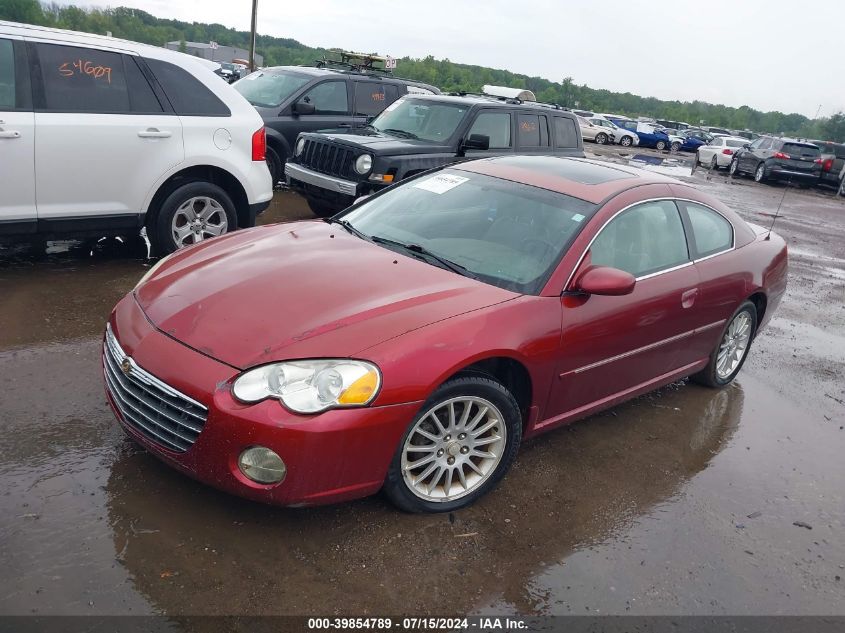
363, 164
300, 145
311, 386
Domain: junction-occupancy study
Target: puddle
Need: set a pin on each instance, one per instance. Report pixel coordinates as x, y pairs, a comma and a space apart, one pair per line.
674, 166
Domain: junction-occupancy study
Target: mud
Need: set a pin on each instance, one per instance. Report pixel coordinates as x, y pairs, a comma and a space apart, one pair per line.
683, 501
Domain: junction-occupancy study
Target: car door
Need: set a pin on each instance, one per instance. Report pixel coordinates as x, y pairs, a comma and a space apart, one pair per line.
497, 125
332, 107
611, 345
17, 140
104, 137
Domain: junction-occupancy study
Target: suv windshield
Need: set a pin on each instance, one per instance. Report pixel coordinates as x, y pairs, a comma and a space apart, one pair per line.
420, 118
500, 232
270, 89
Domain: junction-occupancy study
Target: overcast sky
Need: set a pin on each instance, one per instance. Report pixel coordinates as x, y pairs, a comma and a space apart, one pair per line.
768, 54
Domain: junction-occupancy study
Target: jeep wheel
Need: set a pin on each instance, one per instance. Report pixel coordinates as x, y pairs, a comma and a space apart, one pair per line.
193, 212
321, 208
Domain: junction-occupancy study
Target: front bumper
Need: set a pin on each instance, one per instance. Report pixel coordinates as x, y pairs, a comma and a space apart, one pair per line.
330, 457
323, 181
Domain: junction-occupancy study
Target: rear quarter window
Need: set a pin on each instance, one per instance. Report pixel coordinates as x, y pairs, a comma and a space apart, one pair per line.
711, 232
565, 133
187, 94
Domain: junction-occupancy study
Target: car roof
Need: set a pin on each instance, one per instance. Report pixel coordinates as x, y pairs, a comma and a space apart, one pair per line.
491, 101
589, 180
313, 71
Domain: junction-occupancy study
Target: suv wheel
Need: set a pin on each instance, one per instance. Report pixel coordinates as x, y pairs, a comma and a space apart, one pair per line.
734, 169
274, 164
841, 191
626, 141
193, 212
661, 145
760, 173
457, 448
320, 208
601, 138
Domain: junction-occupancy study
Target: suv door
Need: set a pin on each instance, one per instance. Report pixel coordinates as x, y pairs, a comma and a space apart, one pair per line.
17, 140
331, 102
104, 138
610, 345
497, 124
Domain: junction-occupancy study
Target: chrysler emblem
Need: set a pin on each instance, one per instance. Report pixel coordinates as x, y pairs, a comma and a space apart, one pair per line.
126, 366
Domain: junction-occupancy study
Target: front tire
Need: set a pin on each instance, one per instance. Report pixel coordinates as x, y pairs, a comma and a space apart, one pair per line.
732, 350
601, 138
457, 448
734, 168
841, 191
274, 164
626, 141
714, 164
193, 212
676, 146
760, 173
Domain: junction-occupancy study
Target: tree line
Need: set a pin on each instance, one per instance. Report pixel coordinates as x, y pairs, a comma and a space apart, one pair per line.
140, 26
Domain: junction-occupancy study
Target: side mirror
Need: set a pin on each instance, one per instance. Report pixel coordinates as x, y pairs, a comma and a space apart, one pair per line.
477, 141
300, 107
746, 146
604, 280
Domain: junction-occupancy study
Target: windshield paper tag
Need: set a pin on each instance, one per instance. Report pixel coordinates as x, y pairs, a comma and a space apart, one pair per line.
441, 183
577, 217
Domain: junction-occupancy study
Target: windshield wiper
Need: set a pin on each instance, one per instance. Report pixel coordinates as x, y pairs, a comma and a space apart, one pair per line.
345, 224
426, 254
400, 133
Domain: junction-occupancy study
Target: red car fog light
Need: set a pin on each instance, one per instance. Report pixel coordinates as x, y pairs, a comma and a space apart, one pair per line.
262, 465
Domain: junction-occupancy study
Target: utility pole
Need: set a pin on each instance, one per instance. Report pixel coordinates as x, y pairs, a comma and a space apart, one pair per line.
817, 111
252, 36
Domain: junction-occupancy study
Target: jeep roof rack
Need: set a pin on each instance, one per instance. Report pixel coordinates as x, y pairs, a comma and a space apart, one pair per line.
358, 62
509, 100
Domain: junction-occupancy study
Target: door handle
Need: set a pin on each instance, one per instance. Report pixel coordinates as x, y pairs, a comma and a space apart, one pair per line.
688, 297
9, 133
154, 133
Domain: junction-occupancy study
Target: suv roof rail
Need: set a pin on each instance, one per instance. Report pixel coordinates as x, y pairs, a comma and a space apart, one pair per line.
509, 100
359, 62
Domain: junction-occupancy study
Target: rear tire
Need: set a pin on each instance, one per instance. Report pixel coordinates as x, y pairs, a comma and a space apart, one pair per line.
760, 173
841, 191
601, 138
714, 164
675, 147
199, 203
716, 374
734, 168
660, 146
322, 209
409, 490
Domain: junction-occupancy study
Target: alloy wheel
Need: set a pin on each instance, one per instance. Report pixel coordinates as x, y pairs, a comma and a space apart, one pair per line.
196, 219
453, 448
626, 141
760, 173
734, 345
714, 163
733, 168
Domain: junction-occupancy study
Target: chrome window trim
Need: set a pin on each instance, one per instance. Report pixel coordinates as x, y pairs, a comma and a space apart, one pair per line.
666, 270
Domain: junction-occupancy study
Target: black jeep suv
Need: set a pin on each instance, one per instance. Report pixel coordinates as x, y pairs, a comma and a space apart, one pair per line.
294, 99
418, 133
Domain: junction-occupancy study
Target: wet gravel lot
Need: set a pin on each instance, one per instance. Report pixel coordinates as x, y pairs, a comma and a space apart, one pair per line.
687, 500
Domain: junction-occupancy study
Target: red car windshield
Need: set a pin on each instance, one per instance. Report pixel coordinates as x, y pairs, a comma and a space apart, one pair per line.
501, 232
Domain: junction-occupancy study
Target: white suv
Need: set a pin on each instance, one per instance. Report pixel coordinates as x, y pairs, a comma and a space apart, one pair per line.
103, 136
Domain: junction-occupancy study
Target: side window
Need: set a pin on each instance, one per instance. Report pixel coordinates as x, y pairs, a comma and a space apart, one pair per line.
496, 125
716, 142
529, 130
643, 240
756, 144
371, 97
142, 99
187, 94
766, 144
565, 133
80, 79
711, 232
329, 97
7, 76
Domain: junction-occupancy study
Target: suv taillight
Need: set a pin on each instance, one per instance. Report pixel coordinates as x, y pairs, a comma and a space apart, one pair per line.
827, 165
782, 155
259, 145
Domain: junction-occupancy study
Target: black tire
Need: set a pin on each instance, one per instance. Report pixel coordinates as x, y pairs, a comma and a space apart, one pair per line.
660, 146
734, 169
626, 141
709, 376
160, 229
322, 209
275, 165
841, 191
714, 163
601, 138
760, 173
397, 489
675, 147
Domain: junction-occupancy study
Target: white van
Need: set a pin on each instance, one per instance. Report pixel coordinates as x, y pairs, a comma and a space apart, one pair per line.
104, 136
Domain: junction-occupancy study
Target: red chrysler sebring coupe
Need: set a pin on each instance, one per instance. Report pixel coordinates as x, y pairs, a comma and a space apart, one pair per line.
412, 342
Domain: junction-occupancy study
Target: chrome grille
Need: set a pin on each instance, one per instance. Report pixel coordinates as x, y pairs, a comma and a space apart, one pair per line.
153, 408
327, 158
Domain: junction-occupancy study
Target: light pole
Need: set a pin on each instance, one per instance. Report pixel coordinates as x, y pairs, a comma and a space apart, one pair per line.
252, 36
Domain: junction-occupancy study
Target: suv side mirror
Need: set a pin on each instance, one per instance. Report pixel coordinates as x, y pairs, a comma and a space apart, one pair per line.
300, 107
477, 141
604, 280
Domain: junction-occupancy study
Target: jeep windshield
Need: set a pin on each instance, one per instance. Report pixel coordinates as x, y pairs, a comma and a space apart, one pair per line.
421, 119
268, 89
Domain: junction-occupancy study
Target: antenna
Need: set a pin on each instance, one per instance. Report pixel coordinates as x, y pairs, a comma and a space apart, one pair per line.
777, 213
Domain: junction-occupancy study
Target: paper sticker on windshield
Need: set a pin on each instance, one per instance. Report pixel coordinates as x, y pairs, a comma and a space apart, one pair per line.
441, 183
577, 217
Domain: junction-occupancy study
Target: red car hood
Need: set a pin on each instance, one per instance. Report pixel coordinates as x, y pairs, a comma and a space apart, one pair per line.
300, 290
